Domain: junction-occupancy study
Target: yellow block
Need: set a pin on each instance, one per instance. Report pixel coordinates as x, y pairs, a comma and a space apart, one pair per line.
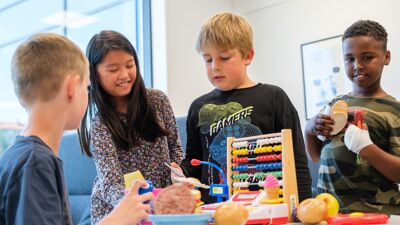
129, 178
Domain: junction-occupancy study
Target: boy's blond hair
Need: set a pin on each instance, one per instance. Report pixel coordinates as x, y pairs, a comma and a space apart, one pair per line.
40, 64
226, 31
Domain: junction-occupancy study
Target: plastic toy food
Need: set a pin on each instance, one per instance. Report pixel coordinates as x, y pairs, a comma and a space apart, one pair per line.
312, 211
231, 214
197, 196
175, 199
271, 187
339, 115
331, 202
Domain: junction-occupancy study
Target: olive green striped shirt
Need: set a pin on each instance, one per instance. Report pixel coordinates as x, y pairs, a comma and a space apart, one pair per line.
356, 184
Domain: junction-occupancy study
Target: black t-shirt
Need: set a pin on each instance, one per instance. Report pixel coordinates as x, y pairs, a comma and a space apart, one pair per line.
261, 109
32, 187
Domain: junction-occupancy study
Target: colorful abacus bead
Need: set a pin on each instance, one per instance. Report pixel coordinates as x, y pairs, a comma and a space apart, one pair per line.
241, 176
278, 148
241, 184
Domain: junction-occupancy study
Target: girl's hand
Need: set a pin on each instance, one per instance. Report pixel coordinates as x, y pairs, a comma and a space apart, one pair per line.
176, 172
132, 208
175, 175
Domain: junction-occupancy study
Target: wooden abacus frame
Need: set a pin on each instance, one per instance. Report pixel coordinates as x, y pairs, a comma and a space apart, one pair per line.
290, 193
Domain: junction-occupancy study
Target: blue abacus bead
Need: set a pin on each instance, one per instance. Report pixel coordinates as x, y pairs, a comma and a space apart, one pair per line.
148, 189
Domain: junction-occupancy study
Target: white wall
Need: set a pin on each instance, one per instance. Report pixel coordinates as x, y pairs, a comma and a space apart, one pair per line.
280, 27
174, 55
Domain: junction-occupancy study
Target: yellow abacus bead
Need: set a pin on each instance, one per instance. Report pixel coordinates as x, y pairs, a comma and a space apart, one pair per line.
256, 150
269, 148
246, 151
278, 148
264, 150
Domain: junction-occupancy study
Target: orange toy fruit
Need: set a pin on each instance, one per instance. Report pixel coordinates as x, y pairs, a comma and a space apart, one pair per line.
231, 214
312, 211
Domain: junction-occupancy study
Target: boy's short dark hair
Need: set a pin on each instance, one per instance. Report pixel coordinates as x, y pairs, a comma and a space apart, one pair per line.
367, 28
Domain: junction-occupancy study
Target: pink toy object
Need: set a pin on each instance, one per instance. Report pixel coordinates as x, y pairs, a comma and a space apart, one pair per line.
271, 187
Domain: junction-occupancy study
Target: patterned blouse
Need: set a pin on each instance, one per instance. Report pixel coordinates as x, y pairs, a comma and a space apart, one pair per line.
147, 157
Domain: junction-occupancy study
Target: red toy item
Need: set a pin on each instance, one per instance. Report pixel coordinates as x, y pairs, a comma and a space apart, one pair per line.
358, 218
356, 117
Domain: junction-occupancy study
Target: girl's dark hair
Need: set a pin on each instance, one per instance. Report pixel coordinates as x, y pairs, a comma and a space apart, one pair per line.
367, 28
141, 120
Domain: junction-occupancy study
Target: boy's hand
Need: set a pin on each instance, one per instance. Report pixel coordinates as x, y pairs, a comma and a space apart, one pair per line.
357, 139
132, 208
321, 125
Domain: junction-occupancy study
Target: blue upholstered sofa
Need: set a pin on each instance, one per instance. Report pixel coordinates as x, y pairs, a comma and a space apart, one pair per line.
80, 172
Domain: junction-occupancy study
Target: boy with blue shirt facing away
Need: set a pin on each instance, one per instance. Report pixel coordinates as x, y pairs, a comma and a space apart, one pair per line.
361, 167
51, 78
238, 106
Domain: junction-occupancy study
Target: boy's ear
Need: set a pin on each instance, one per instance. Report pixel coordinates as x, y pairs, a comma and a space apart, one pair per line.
249, 57
387, 57
73, 81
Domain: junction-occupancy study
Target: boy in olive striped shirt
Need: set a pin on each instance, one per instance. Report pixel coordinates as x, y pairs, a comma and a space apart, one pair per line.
361, 167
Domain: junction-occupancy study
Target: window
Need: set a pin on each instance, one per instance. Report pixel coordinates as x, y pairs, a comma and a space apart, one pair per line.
79, 21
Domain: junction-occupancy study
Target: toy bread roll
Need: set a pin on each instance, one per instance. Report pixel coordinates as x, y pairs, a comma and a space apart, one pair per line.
339, 115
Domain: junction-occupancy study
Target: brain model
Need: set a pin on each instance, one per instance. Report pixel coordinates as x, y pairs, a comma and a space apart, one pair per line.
175, 199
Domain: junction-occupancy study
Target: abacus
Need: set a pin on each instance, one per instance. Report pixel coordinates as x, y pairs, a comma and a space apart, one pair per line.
251, 159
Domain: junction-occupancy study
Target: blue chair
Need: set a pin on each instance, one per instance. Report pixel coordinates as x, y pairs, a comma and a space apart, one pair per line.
314, 167
79, 171
181, 123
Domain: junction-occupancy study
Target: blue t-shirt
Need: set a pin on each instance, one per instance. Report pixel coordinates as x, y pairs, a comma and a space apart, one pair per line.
32, 186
